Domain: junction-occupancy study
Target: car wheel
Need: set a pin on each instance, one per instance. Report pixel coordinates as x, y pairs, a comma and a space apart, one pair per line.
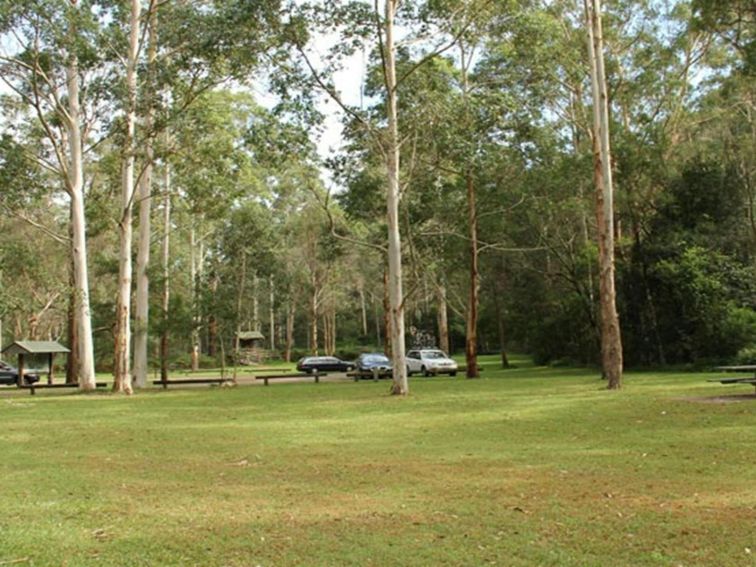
452, 373
408, 372
424, 371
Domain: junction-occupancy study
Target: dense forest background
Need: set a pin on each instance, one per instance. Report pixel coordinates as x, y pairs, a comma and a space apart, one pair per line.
251, 228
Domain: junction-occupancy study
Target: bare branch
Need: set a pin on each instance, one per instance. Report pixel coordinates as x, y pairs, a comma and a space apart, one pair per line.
332, 224
332, 93
54, 235
440, 49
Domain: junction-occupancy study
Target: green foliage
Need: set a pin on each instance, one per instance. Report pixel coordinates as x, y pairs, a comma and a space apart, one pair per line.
20, 178
746, 355
700, 318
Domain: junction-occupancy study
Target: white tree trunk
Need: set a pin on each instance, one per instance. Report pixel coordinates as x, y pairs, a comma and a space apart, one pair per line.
166, 271
611, 343
400, 385
141, 318
75, 186
121, 374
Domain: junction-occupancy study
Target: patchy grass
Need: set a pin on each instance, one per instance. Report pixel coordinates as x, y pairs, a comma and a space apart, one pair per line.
529, 466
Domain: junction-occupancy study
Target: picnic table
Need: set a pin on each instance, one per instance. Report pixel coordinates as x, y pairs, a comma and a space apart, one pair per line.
316, 375
743, 368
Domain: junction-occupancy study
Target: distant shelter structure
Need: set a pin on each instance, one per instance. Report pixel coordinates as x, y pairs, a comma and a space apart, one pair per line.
251, 347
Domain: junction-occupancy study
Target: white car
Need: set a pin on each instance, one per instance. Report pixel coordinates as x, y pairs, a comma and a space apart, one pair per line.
430, 362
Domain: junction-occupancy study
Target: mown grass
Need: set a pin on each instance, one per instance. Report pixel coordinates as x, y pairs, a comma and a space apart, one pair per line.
529, 466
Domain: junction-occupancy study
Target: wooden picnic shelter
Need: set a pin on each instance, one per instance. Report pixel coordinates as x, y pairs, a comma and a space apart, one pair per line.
250, 346
22, 349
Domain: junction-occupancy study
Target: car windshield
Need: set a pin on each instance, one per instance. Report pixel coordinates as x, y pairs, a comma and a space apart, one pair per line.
434, 354
375, 358
4, 366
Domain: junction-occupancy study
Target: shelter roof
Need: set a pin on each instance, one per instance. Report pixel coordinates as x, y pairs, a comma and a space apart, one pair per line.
250, 335
34, 347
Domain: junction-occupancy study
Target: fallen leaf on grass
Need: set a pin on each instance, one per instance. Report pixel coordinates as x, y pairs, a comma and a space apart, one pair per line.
100, 534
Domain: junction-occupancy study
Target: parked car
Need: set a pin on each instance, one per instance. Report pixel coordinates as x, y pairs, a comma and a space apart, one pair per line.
368, 362
9, 375
309, 364
430, 362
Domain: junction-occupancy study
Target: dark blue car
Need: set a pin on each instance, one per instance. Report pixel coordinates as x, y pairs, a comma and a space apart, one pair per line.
370, 361
9, 375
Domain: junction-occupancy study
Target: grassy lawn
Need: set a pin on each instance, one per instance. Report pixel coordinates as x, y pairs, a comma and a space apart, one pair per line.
529, 466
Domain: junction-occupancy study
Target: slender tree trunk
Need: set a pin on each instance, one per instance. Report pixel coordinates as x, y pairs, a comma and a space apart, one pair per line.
611, 343
471, 335
239, 300
255, 303
363, 309
84, 370
400, 384
471, 330
121, 371
442, 318
272, 315
166, 271
195, 299
290, 311
332, 333
212, 336
141, 318
326, 336
501, 324
239, 304
314, 318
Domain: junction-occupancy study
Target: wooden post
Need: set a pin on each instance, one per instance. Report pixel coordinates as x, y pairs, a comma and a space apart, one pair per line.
50, 368
20, 369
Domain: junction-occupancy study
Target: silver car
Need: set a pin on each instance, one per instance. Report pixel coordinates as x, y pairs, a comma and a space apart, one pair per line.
430, 362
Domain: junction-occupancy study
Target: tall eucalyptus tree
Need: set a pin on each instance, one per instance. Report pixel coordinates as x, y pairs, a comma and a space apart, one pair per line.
611, 342
45, 63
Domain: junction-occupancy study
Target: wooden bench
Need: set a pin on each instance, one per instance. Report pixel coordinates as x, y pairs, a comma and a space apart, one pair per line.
744, 368
33, 387
315, 375
256, 369
166, 383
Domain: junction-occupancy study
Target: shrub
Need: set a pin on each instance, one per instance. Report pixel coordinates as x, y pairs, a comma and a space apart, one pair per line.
747, 355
